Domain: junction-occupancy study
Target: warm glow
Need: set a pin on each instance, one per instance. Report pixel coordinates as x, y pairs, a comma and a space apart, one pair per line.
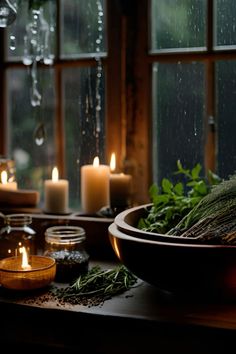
25, 264
55, 174
113, 162
4, 177
96, 161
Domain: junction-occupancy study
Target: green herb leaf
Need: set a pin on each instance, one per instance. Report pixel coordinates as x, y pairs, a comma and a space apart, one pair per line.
172, 202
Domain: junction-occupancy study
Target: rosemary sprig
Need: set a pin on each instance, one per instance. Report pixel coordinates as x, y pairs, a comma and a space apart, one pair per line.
98, 284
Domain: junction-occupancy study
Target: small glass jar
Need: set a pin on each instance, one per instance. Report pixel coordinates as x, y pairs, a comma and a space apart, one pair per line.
66, 244
17, 232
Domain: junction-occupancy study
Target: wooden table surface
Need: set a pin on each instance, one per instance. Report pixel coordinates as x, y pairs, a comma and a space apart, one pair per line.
141, 320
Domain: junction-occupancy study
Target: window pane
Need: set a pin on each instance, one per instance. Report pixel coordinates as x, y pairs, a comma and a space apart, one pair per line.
178, 24
32, 34
34, 158
84, 123
83, 28
178, 117
226, 108
225, 18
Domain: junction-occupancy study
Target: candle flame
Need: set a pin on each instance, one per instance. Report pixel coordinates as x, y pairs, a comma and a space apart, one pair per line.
4, 177
113, 162
96, 161
25, 264
55, 174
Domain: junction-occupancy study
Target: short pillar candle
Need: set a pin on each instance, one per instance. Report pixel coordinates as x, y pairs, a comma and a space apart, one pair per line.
56, 192
120, 187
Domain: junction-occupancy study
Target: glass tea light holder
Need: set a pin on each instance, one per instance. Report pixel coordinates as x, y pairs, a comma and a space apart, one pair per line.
66, 244
25, 272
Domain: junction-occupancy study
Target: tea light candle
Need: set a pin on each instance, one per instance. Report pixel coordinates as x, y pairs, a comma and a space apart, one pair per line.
120, 186
5, 183
23, 273
94, 187
56, 193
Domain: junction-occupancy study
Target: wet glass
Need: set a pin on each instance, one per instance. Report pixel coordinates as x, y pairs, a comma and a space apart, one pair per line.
178, 117
225, 30
226, 122
17, 32
84, 123
33, 158
83, 28
178, 25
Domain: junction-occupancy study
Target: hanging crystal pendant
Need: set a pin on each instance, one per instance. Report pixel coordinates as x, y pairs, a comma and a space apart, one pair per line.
7, 13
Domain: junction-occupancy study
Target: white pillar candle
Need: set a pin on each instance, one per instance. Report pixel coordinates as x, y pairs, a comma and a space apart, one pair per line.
120, 187
95, 187
5, 183
56, 192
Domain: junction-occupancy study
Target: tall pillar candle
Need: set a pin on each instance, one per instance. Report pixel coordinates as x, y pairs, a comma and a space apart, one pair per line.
56, 192
95, 187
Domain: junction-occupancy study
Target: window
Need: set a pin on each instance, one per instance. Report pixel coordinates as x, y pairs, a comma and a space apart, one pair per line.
153, 81
193, 80
55, 84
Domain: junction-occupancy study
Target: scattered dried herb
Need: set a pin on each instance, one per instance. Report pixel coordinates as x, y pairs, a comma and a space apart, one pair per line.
97, 286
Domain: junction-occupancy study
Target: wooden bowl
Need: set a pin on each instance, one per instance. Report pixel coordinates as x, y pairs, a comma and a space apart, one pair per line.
186, 269
127, 222
41, 274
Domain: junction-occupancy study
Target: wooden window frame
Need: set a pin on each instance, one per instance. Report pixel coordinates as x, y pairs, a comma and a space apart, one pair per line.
128, 97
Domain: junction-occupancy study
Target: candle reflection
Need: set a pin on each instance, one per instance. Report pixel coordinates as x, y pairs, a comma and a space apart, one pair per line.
25, 263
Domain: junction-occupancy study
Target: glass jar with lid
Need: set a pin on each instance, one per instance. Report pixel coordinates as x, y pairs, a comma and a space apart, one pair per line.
15, 233
66, 244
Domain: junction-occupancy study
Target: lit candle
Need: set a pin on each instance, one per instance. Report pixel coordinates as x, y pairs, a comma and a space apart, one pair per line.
7, 184
120, 186
56, 192
94, 187
25, 263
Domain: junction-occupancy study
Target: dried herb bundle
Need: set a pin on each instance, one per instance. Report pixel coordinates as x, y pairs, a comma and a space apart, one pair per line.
214, 217
97, 285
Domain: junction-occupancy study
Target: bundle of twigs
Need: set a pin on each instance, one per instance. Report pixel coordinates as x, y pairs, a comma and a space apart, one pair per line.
213, 219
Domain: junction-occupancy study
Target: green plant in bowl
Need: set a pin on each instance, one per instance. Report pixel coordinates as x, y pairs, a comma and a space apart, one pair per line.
172, 202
